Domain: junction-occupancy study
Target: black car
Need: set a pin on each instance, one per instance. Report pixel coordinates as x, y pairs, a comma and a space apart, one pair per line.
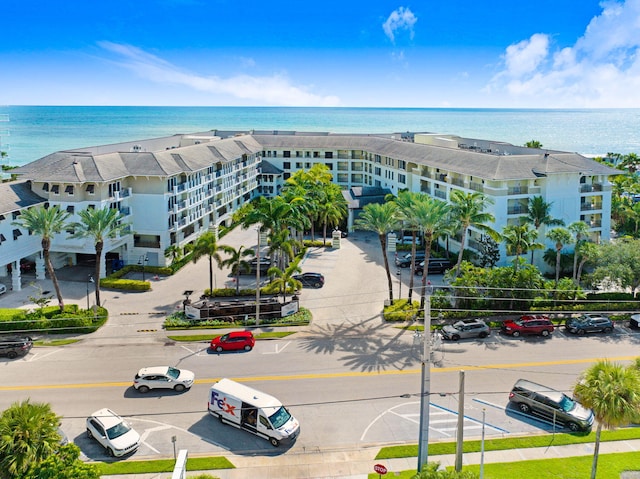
14, 346
436, 266
404, 260
310, 280
589, 323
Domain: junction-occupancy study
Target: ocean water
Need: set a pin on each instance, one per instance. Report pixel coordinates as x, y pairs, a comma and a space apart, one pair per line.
31, 132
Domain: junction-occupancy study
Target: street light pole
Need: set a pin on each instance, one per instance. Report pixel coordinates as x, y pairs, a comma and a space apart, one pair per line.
425, 390
89, 280
258, 265
399, 274
143, 259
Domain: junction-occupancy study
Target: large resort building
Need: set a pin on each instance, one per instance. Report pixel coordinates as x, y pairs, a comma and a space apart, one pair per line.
172, 189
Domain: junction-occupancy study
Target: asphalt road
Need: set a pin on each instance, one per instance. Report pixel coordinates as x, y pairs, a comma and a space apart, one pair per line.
350, 379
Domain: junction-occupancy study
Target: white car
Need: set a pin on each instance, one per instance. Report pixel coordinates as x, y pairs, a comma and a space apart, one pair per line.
3, 288
112, 432
163, 377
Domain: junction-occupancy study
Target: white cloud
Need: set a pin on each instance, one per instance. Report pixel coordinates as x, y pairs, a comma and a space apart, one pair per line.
601, 69
276, 89
400, 19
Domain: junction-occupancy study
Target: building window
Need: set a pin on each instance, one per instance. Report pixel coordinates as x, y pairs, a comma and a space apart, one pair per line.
402, 178
69, 190
15, 215
402, 164
298, 154
16, 234
286, 165
307, 154
298, 165
91, 189
329, 165
328, 154
45, 187
55, 189
91, 207
2, 238
316, 154
70, 209
286, 154
377, 171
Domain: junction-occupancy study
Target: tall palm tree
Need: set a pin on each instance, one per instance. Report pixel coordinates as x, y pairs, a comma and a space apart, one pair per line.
174, 252
431, 215
580, 230
28, 435
237, 262
46, 223
282, 247
381, 219
612, 391
588, 252
332, 208
561, 237
99, 225
469, 208
520, 239
207, 245
406, 202
539, 214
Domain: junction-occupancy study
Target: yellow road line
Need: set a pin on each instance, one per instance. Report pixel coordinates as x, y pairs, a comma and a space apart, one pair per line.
348, 374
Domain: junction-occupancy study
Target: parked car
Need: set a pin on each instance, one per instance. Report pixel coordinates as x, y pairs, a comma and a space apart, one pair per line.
27, 265
589, 323
467, 328
634, 321
436, 266
14, 346
310, 280
3, 288
528, 324
112, 432
163, 377
233, 341
404, 260
553, 406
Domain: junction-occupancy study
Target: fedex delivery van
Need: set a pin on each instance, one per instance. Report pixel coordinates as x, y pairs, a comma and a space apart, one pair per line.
254, 411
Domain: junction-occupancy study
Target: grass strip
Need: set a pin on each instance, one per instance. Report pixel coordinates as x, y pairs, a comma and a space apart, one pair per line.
208, 337
544, 440
163, 465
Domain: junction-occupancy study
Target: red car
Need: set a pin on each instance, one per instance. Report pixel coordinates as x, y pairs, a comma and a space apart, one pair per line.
529, 324
234, 341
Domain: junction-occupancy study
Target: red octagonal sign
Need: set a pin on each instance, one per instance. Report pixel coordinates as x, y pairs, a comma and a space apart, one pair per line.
380, 469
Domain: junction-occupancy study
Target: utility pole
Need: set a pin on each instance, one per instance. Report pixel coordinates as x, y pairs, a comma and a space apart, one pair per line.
425, 393
460, 433
258, 265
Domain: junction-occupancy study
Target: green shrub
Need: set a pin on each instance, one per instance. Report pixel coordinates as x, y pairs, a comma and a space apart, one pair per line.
125, 284
401, 310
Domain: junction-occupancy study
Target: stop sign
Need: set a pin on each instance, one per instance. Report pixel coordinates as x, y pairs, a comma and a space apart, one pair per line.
380, 469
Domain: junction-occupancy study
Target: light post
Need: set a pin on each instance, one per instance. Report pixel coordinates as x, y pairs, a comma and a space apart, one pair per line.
89, 280
142, 261
425, 390
258, 265
399, 274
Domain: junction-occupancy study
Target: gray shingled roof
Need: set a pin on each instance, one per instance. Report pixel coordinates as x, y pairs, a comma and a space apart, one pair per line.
92, 165
16, 195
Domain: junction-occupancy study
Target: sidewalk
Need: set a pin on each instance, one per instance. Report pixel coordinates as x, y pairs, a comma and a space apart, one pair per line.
358, 464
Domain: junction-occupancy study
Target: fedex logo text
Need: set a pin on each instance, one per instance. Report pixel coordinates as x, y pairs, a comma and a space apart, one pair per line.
221, 403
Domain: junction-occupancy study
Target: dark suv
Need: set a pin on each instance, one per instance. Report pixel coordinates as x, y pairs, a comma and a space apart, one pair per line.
553, 406
310, 280
530, 324
436, 266
589, 323
14, 346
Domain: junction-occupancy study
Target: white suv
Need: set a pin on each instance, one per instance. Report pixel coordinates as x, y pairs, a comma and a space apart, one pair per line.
114, 433
164, 377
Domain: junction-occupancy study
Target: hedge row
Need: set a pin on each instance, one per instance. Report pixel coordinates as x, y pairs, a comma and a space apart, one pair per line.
51, 320
178, 320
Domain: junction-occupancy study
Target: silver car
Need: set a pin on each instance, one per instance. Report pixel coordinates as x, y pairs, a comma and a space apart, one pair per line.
163, 377
466, 328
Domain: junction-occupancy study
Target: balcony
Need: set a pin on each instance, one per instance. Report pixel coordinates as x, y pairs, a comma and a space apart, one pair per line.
590, 206
590, 188
442, 194
458, 182
517, 209
518, 190
476, 187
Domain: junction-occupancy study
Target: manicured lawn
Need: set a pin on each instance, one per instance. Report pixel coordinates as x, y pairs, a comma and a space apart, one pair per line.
54, 342
208, 337
163, 465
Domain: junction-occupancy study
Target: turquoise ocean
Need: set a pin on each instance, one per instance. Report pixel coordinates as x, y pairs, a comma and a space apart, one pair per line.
31, 132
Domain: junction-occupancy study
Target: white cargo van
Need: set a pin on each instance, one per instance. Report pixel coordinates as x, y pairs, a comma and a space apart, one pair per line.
254, 411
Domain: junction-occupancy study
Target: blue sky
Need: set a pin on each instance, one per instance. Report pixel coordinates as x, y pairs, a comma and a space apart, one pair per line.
455, 53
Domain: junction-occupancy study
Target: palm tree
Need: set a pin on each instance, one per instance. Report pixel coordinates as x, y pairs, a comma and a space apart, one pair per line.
174, 252
612, 391
381, 219
282, 278
561, 237
431, 215
282, 247
589, 252
331, 209
99, 225
539, 214
406, 202
236, 262
28, 435
46, 223
468, 209
207, 245
533, 144
580, 230
520, 239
